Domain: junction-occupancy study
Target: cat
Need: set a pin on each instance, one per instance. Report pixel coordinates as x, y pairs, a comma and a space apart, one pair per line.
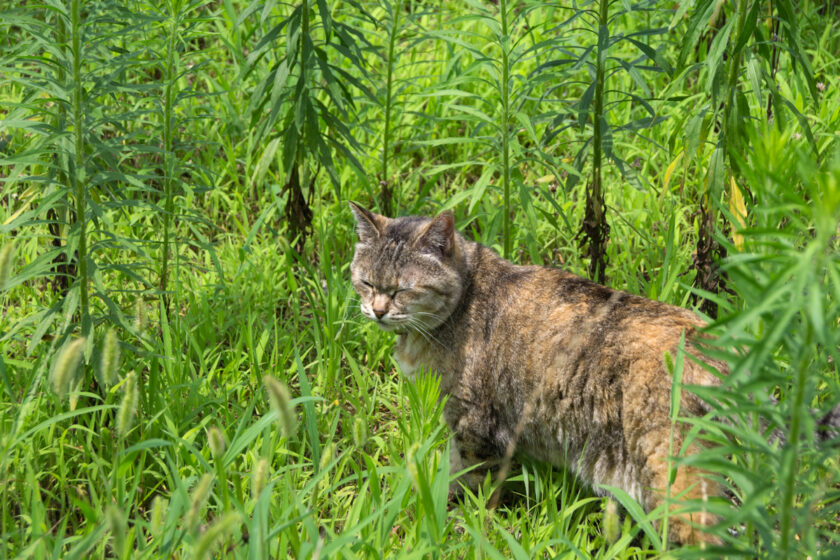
538, 361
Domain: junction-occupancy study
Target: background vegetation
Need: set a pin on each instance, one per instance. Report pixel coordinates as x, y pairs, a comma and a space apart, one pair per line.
184, 369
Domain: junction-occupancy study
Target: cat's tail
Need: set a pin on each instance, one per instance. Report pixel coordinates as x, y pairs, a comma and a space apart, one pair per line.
828, 427
826, 433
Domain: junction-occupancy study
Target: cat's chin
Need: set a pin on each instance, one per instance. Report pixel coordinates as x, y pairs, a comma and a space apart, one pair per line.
387, 326
398, 328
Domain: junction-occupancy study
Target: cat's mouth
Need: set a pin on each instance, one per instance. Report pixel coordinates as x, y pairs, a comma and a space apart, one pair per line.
387, 324
391, 323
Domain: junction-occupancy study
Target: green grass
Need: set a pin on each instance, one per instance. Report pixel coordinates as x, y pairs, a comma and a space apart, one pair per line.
184, 182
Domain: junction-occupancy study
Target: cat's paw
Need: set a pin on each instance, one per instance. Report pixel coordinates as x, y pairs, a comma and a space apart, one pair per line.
456, 493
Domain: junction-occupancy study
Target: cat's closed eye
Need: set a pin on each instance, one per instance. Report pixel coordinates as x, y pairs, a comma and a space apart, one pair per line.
389, 291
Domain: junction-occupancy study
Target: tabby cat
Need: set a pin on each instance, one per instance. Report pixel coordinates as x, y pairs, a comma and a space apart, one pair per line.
536, 360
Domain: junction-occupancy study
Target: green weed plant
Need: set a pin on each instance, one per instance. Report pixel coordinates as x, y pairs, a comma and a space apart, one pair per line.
184, 370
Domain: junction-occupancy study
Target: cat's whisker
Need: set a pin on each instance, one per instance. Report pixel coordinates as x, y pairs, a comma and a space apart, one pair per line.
353, 313
350, 306
416, 326
424, 334
423, 330
427, 314
437, 318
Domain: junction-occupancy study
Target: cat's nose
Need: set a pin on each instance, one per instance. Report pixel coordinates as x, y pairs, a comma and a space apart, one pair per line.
379, 312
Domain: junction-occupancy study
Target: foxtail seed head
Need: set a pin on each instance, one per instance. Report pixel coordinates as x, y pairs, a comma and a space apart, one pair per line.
327, 455
611, 529
669, 363
110, 360
7, 257
279, 397
259, 477
360, 432
197, 500
216, 440
66, 365
208, 541
116, 524
128, 406
158, 515
716, 13
139, 315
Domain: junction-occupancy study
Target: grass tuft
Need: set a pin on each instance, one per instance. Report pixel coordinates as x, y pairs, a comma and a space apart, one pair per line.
173, 186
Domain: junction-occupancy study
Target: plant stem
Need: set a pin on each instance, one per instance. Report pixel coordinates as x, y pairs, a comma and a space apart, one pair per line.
505, 95
221, 474
708, 247
597, 193
77, 177
169, 160
301, 225
734, 67
774, 55
387, 192
60, 159
791, 451
595, 227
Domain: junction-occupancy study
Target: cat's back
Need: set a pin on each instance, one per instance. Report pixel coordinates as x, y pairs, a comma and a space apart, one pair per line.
534, 319
549, 296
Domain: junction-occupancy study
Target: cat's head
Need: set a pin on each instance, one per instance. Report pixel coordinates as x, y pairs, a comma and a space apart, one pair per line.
407, 271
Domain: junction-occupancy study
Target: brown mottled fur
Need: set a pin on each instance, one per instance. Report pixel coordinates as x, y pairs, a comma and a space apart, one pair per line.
534, 359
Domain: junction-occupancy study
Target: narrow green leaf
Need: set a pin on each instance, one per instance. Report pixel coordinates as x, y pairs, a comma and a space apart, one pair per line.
714, 60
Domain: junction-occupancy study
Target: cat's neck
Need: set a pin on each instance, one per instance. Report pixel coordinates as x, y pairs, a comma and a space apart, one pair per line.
441, 348
415, 348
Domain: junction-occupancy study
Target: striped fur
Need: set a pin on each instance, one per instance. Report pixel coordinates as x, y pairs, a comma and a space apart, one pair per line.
535, 360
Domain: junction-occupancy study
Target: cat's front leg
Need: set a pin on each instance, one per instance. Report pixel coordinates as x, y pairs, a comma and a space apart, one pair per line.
456, 465
472, 449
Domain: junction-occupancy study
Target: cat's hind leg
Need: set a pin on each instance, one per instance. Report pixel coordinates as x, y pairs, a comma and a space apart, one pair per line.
688, 485
650, 442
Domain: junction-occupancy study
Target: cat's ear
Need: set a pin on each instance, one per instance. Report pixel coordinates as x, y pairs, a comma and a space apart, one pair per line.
369, 226
439, 235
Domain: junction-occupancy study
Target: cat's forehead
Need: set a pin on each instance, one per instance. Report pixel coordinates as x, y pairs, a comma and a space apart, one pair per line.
397, 275
392, 257
394, 247
403, 229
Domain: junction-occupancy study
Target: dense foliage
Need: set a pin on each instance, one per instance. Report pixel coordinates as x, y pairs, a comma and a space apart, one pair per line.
185, 372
